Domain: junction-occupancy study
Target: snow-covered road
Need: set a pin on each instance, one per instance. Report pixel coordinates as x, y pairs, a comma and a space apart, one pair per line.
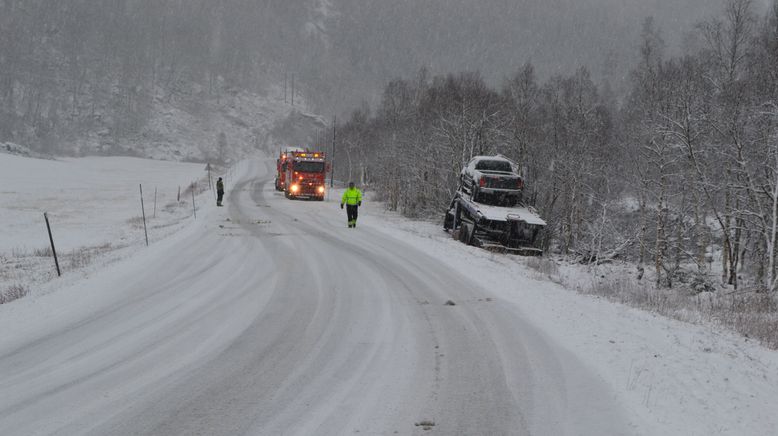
271, 317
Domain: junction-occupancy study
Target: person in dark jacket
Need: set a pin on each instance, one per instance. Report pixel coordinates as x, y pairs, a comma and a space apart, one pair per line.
219, 191
352, 198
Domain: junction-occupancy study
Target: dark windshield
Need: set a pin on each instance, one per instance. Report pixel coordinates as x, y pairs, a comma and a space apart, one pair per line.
494, 165
309, 167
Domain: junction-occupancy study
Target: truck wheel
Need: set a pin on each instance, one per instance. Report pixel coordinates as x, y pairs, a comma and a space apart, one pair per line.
465, 234
448, 221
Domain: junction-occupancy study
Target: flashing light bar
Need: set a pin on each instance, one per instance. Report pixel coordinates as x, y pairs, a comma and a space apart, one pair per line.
308, 154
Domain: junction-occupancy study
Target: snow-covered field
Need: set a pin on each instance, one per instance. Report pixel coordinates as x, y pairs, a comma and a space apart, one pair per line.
669, 378
89, 200
94, 208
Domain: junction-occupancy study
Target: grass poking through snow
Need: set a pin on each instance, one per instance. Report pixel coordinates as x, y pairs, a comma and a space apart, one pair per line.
13, 292
753, 315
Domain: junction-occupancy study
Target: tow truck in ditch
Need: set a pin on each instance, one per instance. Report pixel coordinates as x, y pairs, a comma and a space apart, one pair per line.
487, 209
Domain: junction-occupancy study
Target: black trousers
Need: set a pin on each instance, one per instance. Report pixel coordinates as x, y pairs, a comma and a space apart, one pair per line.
351, 212
220, 195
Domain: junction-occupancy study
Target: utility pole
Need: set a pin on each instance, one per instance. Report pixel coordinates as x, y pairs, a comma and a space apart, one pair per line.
285, 79
332, 159
292, 89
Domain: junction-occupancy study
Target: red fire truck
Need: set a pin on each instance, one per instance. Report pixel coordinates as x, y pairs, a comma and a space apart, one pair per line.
305, 174
281, 165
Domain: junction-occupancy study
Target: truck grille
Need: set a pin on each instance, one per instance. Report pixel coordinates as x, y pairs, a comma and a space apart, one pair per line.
309, 186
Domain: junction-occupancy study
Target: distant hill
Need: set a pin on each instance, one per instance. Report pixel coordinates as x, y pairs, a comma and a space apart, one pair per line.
376, 40
173, 79
139, 77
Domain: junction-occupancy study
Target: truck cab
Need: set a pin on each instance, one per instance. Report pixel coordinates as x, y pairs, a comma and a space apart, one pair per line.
305, 175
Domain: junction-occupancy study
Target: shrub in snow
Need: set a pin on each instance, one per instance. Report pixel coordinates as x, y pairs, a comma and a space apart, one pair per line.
13, 292
701, 283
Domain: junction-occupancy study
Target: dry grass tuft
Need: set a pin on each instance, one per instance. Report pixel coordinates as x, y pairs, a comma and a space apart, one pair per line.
752, 314
13, 292
136, 222
543, 265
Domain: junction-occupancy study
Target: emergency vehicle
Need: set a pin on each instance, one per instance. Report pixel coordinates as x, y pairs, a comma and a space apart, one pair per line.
281, 164
304, 174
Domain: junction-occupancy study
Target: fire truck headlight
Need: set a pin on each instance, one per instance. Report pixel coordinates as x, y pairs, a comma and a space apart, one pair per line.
294, 188
321, 189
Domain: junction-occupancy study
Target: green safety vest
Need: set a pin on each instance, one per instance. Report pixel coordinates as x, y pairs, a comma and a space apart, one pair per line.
351, 197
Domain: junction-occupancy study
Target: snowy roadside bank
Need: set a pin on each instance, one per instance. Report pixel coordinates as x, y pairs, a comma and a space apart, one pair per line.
681, 378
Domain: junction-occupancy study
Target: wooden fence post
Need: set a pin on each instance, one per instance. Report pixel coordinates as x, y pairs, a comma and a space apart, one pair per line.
194, 209
143, 211
51, 239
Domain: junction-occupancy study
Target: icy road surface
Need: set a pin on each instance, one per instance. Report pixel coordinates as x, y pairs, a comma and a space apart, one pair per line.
271, 317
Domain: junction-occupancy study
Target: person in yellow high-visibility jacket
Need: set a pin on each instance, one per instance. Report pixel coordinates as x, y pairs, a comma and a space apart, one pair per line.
352, 198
